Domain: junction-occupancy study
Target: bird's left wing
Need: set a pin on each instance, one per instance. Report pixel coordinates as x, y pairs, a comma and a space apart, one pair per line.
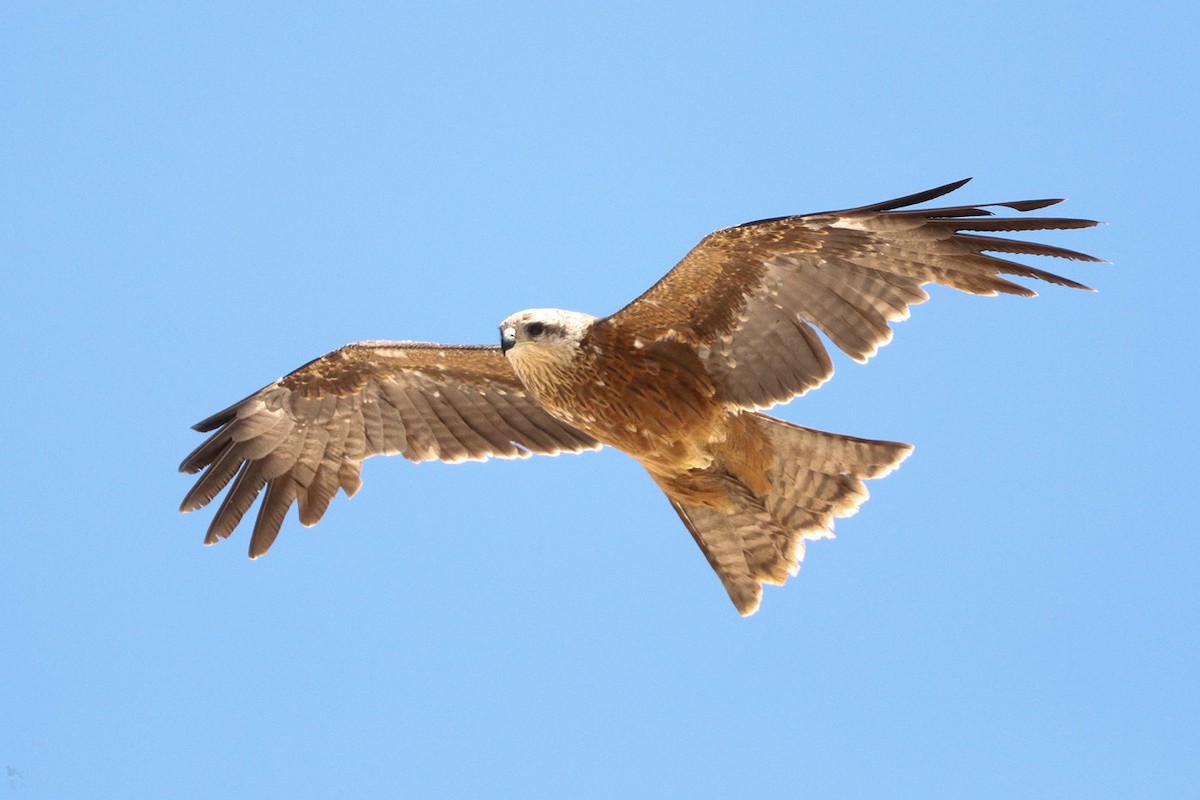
305, 436
750, 298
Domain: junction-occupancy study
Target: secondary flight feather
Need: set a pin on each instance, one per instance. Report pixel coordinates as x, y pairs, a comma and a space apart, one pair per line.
676, 379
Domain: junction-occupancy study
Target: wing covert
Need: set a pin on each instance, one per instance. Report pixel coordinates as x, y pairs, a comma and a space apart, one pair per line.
305, 436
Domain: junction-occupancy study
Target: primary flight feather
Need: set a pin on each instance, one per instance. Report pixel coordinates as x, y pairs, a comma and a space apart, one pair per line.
675, 379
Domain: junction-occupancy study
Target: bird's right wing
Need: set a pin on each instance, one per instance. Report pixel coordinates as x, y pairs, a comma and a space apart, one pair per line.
305, 436
750, 298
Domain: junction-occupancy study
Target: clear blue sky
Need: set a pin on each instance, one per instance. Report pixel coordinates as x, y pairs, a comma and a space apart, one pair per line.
197, 199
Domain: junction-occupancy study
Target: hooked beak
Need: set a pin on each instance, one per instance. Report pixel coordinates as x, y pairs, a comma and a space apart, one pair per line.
508, 337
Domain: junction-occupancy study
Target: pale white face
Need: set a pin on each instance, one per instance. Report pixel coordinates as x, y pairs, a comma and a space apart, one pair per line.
543, 335
543, 326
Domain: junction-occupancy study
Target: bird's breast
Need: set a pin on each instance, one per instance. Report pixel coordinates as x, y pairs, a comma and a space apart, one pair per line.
655, 402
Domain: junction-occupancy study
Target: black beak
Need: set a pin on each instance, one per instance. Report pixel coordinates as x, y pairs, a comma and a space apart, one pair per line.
508, 337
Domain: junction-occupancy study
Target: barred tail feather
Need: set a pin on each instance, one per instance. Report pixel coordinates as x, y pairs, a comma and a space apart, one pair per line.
815, 478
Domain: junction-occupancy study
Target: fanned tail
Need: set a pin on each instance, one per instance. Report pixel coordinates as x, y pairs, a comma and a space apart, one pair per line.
815, 477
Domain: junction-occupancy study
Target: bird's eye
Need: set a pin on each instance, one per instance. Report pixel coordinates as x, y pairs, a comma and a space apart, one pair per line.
535, 329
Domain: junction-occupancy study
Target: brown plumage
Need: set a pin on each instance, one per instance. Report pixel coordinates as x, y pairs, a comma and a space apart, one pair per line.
674, 379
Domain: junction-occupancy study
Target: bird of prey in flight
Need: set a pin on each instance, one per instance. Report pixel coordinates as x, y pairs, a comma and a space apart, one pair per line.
677, 379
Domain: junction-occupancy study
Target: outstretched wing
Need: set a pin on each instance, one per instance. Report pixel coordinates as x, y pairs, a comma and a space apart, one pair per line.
748, 297
306, 434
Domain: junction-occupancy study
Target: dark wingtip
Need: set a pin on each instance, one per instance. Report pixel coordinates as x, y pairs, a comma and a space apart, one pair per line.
914, 199
1031, 205
215, 421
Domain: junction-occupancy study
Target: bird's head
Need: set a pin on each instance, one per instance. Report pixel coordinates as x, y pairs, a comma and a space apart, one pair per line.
543, 335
